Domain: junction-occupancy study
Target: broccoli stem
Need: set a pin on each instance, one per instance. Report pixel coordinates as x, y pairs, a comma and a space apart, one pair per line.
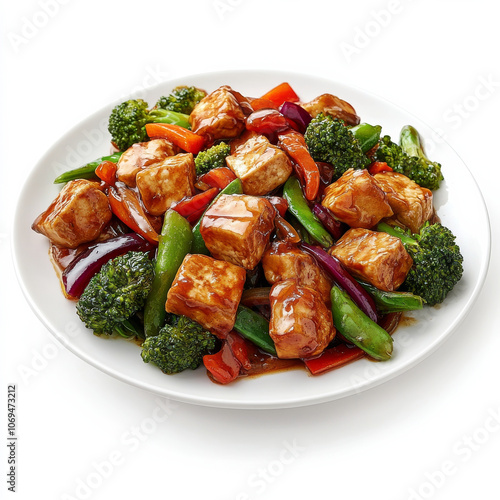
171, 117
405, 239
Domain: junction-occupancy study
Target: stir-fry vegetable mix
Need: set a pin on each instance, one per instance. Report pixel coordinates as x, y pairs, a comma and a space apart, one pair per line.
244, 232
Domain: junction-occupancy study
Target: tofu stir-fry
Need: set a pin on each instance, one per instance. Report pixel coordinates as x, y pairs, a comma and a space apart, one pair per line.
249, 234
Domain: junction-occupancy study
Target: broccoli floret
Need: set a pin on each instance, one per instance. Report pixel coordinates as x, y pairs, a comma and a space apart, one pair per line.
437, 261
329, 140
409, 159
127, 121
116, 293
212, 158
178, 346
181, 99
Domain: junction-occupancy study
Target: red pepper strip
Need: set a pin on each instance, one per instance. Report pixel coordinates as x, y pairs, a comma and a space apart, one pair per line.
281, 93
222, 366
261, 103
218, 177
294, 144
106, 171
334, 357
379, 166
240, 348
196, 203
279, 203
126, 206
180, 136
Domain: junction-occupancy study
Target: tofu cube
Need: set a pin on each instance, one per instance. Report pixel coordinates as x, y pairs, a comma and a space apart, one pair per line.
237, 228
218, 115
167, 182
77, 215
301, 325
260, 165
375, 257
142, 155
357, 199
208, 291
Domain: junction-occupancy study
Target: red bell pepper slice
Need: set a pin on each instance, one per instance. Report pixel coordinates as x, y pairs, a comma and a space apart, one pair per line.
180, 136
281, 93
332, 358
223, 366
240, 348
218, 177
106, 171
194, 204
125, 204
379, 166
260, 103
294, 144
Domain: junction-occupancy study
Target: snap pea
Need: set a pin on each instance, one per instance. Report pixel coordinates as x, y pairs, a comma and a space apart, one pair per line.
198, 246
367, 135
388, 302
298, 206
174, 244
358, 328
86, 171
255, 328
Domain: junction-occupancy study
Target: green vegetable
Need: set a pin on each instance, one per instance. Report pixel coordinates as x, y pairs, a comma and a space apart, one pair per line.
116, 293
358, 328
212, 158
388, 302
367, 135
437, 261
174, 244
86, 171
182, 99
180, 345
127, 122
409, 159
198, 246
255, 328
329, 140
298, 206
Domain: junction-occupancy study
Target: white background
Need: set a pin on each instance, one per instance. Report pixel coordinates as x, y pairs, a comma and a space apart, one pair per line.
432, 432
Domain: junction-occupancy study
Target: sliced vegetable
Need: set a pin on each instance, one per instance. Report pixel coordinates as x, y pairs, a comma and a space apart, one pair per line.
285, 231
281, 93
388, 302
255, 328
86, 171
223, 366
298, 206
194, 204
379, 166
332, 358
295, 146
256, 296
358, 328
218, 177
269, 122
106, 171
77, 275
367, 135
174, 244
180, 136
343, 279
325, 215
296, 113
126, 206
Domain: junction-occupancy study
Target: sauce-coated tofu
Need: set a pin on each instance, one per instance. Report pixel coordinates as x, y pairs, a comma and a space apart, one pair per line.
357, 199
283, 260
329, 104
301, 325
372, 256
236, 228
165, 183
411, 204
208, 291
142, 155
218, 115
77, 215
260, 165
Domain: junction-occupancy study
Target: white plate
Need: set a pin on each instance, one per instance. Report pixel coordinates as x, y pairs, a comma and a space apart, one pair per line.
121, 359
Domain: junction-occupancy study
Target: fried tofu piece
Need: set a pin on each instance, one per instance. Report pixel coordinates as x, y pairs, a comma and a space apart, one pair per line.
77, 215
357, 199
301, 325
208, 291
375, 257
218, 115
329, 104
167, 182
283, 260
237, 228
142, 155
412, 205
260, 165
